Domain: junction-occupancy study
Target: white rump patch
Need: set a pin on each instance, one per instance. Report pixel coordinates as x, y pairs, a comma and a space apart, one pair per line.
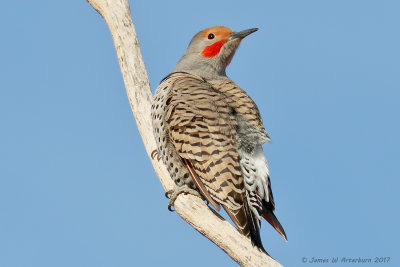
255, 172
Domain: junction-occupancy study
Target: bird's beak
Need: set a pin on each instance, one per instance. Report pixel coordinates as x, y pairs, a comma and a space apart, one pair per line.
242, 34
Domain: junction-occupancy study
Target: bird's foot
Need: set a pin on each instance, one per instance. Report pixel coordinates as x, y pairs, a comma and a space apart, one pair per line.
155, 154
174, 193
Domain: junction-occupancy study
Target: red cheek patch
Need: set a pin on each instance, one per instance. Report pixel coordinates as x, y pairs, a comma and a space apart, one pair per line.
213, 50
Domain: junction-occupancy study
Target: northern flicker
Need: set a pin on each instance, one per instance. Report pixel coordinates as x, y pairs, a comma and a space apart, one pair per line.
209, 134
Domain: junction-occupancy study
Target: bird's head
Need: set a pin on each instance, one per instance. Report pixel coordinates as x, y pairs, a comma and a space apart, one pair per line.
211, 51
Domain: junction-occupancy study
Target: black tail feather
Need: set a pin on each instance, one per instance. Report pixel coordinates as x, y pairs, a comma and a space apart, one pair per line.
253, 225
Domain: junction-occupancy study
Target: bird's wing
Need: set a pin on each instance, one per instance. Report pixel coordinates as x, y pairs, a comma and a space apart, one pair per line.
201, 126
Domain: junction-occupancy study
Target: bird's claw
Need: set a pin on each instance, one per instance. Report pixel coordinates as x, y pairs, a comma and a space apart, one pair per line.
168, 193
174, 193
154, 154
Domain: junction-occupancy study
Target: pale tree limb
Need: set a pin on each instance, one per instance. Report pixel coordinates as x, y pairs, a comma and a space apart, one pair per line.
191, 208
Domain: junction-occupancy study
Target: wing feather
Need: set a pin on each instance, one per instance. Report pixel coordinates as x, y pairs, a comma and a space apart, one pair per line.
202, 129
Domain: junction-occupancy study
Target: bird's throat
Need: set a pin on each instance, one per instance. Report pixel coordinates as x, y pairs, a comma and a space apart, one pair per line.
230, 59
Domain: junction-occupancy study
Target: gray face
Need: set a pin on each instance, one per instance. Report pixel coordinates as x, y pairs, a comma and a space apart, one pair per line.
210, 52
211, 64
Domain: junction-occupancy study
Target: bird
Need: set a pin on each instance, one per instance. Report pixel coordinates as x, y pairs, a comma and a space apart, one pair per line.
209, 134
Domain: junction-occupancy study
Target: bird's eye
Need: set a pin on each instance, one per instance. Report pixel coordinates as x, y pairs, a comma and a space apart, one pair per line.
211, 36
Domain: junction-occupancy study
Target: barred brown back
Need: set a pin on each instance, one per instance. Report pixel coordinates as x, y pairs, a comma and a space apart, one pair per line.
202, 128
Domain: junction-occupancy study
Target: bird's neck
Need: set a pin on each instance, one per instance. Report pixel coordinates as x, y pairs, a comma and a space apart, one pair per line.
210, 69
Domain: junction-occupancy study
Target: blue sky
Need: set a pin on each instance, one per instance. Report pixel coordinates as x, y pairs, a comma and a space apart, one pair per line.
77, 189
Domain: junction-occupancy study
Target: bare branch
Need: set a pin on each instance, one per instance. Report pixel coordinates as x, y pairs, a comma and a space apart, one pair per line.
191, 208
